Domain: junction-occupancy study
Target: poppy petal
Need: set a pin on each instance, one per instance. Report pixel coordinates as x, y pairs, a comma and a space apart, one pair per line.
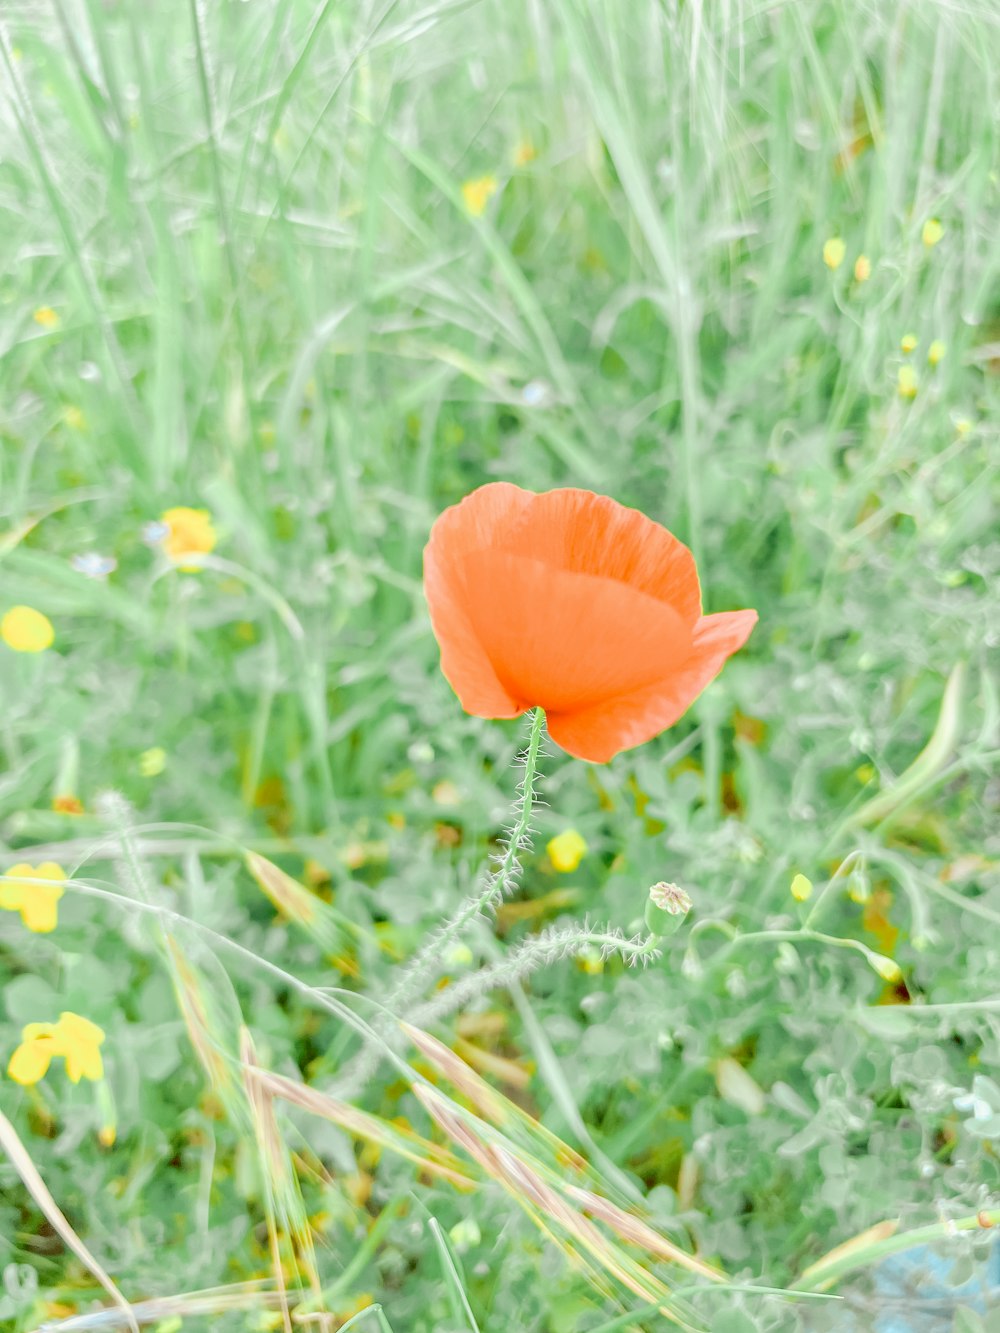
585, 533
464, 663
600, 732
567, 641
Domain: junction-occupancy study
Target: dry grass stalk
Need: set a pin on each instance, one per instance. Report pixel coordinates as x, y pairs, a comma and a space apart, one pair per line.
428, 1156
533, 1193
39, 1191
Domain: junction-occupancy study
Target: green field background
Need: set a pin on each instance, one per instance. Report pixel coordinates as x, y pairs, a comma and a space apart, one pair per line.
321, 269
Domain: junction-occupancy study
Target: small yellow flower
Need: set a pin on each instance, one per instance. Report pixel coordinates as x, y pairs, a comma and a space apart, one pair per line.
963, 426
908, 342
932, 232
524, 152
801, 889
906, 382
35, 902
152, 762
862, 268
833, 252
936, 352
566, 850
106, 1136
74, 1038
446, 793
26, 630
67, 804
189, 532
74, 417
478, 193
45, 317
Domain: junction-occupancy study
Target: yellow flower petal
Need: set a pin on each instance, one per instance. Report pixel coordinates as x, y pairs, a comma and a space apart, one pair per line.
78, 1040
908, 342
478, 193
33, 1031
38, 907
35, 902
30, 1062
189, 532
566, 850
26, 630
936, 352
84, 1061
862, 268
46, 317
75, 1028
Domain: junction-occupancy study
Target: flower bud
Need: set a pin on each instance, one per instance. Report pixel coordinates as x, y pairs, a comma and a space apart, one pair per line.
887, 968
666, 907
801, 889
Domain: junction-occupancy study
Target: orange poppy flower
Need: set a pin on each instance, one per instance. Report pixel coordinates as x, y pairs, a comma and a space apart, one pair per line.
570, 602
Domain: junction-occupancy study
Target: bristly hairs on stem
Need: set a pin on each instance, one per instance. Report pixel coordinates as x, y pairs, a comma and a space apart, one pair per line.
549, 946
131, 869
499, 884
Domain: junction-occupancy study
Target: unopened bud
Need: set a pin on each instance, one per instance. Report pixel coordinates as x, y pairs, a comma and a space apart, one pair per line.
801, 889
666, 907
858, 888
887, 968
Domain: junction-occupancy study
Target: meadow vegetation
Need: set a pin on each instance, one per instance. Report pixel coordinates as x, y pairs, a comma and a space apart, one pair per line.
289, 277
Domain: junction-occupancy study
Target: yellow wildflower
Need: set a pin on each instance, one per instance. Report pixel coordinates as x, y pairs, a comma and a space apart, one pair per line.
478, 193
35, 902
801, 889
67, 804
74, 417
45, 317
908, 342
906, 383
74, 1038
962, 425
446, 793
153, 761
566, 850
524, 152
189, 532
932, 232
833, 252
936, 352
26, 630
862, 268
